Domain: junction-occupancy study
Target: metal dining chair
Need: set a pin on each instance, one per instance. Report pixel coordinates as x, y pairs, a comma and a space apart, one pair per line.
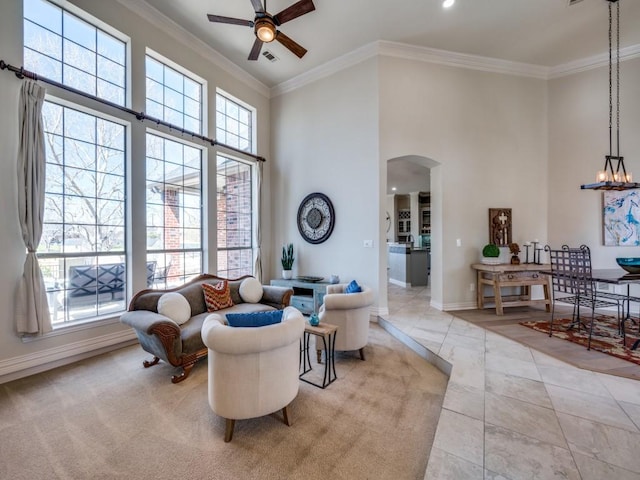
573, 284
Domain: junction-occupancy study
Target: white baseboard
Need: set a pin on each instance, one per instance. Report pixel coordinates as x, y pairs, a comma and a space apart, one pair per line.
447, 307
379, 311
25, 365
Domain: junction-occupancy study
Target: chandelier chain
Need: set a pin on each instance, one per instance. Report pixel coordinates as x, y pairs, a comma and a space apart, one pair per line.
618, 78
610, 81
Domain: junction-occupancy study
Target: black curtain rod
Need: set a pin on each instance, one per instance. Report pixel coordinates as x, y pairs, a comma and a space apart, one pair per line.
22, 73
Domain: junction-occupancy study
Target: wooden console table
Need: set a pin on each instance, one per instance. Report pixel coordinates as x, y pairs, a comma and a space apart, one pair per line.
523, 276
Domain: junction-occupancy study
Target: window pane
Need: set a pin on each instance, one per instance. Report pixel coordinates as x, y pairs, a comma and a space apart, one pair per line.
79, 31
110, 71
45, 14
110, 92
111, 48
79, 57
155, 70
42, 40
79, 80
173, 79
45, 66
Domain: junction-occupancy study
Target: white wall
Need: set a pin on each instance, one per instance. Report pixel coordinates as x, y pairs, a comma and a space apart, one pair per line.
14, 354
325, 139
488, 132
578, 142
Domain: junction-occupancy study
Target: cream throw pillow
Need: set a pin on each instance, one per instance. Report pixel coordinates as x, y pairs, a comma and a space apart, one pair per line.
251, 290
175, 306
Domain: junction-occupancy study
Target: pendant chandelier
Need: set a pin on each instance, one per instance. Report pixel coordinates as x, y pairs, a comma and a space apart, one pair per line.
610, 178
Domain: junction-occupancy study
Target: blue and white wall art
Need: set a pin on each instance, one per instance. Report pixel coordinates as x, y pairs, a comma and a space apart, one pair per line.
622, 218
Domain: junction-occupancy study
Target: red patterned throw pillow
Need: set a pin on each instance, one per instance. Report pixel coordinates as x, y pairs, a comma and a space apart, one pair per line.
217, 296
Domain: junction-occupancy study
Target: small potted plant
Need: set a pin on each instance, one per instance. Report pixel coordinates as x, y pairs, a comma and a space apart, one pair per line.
490, 254
287, 261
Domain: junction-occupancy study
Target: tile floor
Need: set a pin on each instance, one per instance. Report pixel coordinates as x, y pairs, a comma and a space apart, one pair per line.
511, 412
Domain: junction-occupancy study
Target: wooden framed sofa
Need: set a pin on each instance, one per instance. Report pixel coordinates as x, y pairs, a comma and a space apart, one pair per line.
180, 344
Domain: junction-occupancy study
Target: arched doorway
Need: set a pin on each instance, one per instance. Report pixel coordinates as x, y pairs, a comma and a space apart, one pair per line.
413, 192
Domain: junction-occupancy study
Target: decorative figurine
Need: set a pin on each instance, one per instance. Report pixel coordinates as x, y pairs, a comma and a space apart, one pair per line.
514, 248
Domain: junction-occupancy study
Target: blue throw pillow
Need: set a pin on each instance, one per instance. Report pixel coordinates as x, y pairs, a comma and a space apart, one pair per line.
353, 287
254, 319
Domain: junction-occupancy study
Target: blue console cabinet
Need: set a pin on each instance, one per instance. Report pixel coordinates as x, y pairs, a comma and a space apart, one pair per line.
307, 296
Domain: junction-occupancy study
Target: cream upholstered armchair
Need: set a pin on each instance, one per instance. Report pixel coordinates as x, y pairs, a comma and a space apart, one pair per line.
253, 371
350, 312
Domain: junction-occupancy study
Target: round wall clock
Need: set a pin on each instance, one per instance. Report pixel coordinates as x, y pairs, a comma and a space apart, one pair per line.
316, 218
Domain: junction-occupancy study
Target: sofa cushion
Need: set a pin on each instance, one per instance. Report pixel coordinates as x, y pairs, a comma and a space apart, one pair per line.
246, 308
353, 287
255, 319
175, 306
217, 296
251, 290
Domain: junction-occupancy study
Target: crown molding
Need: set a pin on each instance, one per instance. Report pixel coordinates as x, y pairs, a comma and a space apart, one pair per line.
164, 23
589, 63
411, 52
327, 69
462, 60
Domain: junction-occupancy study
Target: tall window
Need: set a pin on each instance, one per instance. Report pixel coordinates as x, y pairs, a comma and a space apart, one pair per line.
82, 251
235, 232
234, 123
173, 96
63, 47
174, 210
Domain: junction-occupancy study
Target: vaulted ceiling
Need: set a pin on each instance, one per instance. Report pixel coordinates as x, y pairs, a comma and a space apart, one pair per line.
546, 33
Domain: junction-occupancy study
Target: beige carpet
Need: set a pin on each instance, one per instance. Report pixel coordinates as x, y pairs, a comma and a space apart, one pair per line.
109, 418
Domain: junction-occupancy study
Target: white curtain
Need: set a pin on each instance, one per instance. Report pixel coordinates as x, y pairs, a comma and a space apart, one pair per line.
32, 309
257, 268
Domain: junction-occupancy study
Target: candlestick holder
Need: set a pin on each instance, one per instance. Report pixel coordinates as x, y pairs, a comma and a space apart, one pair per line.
536, 256
526, 252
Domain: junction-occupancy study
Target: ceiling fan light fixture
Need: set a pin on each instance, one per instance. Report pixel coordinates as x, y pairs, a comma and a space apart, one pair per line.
265, 30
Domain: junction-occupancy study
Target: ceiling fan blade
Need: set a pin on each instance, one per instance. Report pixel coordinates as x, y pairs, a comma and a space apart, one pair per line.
257, 5
290, 44
232, 21
294, 11
255, 50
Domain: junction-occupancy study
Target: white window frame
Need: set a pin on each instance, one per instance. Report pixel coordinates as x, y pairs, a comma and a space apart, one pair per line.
105, 27
254, 116
112, 317
203, 196
187, 73
254, 213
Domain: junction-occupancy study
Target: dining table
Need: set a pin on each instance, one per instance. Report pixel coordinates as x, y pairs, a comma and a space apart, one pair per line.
618, 276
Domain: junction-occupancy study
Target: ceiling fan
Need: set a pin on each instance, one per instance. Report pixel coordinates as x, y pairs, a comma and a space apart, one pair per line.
264, 25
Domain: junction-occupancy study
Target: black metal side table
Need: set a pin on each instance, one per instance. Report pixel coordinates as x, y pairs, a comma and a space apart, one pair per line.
327, 332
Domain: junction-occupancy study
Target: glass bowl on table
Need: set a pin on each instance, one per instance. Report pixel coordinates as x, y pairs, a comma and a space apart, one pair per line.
629, 264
